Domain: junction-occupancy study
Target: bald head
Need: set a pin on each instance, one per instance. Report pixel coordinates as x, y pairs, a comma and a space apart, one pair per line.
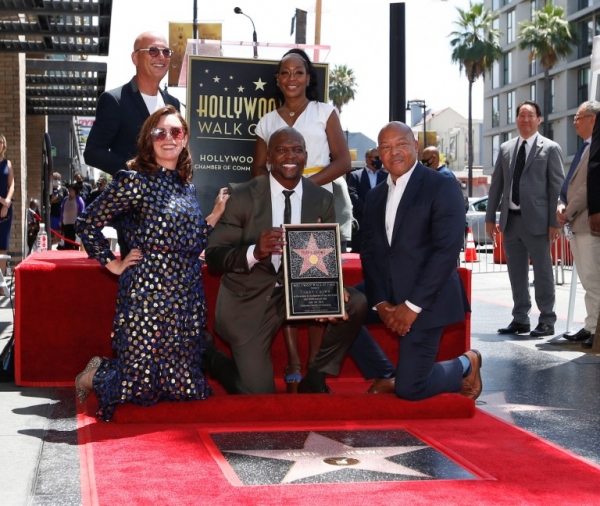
431, 157
149, 38
397, 148
286, 153
150, 70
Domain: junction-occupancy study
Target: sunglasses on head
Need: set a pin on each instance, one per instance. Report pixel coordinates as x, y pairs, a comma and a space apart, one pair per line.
160, 134
155, 51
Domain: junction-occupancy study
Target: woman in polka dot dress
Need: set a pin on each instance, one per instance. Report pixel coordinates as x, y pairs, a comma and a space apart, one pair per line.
157, 335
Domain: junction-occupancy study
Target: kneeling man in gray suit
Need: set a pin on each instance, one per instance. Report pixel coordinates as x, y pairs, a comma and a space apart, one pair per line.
246, 246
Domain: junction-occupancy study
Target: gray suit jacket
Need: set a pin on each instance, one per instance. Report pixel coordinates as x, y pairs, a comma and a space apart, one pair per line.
540, 185
245, 293
577, 207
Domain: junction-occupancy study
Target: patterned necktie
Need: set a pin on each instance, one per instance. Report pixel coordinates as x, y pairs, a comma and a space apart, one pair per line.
574, 164
287, 210
519, 165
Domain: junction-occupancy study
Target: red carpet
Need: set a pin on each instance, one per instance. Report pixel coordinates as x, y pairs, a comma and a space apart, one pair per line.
176, 463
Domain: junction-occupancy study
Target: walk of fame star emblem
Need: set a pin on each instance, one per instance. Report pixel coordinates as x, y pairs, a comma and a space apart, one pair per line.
312, 256
286, 457
312, 253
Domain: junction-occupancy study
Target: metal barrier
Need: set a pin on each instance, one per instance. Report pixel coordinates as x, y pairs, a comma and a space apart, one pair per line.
481, 255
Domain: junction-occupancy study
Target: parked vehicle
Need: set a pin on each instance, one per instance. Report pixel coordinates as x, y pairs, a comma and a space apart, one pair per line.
476, 219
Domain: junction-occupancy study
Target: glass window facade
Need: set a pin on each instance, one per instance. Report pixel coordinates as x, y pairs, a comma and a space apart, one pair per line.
495, 111
510, 26
495, 148
511, 107
583, 85
496, 74
507, 68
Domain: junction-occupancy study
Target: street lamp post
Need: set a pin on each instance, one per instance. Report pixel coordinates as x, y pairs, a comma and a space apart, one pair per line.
420, 103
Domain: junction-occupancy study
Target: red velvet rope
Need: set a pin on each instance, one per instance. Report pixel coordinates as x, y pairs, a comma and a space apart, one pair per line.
60, 237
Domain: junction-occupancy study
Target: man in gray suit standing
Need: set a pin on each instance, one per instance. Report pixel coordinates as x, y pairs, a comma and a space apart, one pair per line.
525, 186
573, 213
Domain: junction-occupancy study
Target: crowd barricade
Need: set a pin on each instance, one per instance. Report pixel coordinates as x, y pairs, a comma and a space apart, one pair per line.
492, 257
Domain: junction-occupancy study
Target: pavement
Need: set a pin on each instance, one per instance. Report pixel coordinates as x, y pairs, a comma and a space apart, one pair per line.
546, 386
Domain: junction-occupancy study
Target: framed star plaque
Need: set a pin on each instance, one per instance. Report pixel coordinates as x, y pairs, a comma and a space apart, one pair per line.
312, 268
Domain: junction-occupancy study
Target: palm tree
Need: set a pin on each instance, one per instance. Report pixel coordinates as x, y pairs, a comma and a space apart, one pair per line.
475, 47
550, 37
342, 86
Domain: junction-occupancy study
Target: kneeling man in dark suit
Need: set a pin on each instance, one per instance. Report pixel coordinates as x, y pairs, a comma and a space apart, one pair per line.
246, 246
413, 228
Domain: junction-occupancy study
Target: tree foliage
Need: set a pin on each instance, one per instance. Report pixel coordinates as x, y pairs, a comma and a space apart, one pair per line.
342, 86
549, 37
475, 47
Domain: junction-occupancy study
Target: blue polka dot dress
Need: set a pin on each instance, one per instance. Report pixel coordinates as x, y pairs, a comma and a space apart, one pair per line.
157, 333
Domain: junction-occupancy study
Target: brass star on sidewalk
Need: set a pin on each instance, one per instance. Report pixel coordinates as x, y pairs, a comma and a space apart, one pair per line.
312, 256
322, 455
495, 404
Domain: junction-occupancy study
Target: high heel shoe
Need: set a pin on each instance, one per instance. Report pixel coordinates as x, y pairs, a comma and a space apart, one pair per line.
292, 376
82, 393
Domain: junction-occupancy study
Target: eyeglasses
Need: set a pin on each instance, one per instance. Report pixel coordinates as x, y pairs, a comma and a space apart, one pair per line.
577, 117
155, 51
427, 162
374, 158
160, 134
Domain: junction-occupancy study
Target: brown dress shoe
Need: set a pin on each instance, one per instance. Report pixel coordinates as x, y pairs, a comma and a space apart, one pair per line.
383, 386
472, 385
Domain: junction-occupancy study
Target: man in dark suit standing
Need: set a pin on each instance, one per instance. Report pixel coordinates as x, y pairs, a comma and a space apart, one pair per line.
525, 186
359, 183
412, 235
246, 246
121, 112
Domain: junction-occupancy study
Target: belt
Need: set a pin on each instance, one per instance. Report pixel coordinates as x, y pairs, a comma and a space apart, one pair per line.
515, 211
309, 171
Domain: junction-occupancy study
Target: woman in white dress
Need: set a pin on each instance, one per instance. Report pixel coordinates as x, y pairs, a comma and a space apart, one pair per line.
327, 164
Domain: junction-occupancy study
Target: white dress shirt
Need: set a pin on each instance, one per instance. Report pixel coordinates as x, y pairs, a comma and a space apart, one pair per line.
277, 207
395, 192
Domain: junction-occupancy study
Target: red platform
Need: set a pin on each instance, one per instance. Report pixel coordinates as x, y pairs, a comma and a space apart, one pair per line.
65, 305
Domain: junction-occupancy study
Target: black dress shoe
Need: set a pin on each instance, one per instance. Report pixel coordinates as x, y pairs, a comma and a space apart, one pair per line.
581, 335
543, 329
515, 328
588, 343
304, 387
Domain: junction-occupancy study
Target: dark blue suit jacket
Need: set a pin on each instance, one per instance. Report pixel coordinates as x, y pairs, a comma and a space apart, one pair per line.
119, 118
358, 186
420, 264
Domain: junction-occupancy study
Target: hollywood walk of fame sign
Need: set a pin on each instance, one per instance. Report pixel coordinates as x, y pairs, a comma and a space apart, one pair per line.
312, 268
226, 97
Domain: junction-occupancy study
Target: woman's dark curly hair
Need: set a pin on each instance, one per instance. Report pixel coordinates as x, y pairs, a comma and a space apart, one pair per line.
312, 93
145, 161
